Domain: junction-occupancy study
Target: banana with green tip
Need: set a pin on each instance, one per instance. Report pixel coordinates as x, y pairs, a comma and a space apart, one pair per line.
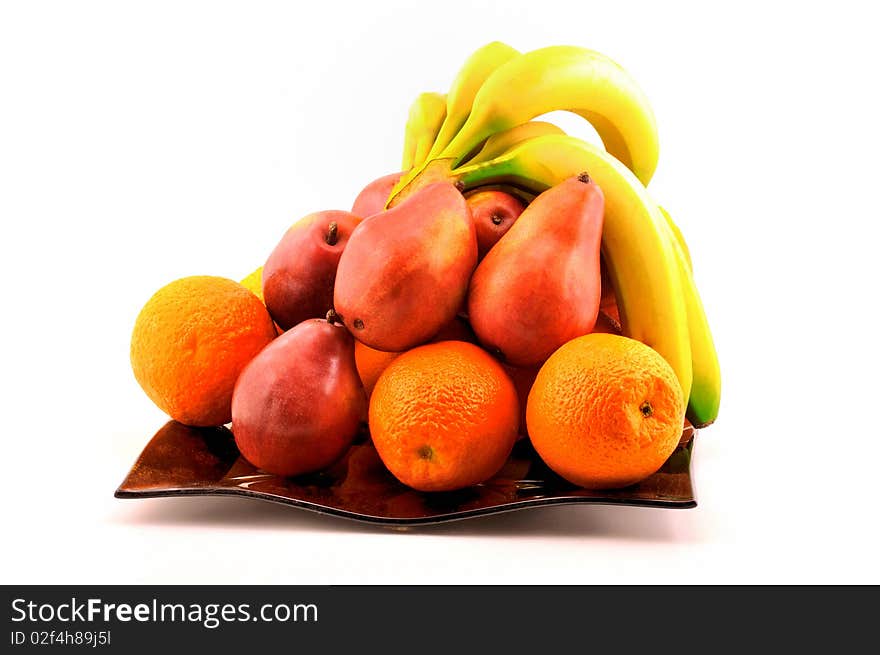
705, 396
562, 78
426, 115
641, 261
497, 144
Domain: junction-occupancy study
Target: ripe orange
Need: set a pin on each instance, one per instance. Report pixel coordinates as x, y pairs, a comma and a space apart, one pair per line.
605, 411
444, 416
370, 364
190, 342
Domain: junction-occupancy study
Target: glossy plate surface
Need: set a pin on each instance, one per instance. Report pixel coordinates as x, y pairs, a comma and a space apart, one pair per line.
186, 461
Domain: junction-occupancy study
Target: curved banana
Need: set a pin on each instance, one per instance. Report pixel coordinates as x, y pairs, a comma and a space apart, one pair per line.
475, 71
426, 115
563, 78
498, 144
478, 67
641, 261
705, 397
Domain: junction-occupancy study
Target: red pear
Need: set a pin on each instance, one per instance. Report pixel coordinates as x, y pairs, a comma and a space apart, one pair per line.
539, 286
405, 271
299, 275
298, 405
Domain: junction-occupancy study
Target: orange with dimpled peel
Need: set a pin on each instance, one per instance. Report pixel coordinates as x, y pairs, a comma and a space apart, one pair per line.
444, 416
605, 411
190, 342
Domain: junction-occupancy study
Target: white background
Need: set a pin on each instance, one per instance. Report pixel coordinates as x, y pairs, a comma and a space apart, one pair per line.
144, 142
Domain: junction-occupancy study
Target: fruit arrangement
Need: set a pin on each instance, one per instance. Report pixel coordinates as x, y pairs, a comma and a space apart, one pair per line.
511, 282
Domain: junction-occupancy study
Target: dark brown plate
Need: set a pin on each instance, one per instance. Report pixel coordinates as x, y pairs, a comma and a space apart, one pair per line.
185, 461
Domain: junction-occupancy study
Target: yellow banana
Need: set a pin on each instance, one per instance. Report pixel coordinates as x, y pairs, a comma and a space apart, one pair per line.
640, 258
467, 83
498, 144
705, 396
563, 78
679, 238
254, 282
478, 67
426, 115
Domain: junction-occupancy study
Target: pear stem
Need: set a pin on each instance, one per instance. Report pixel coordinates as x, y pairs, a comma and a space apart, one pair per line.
332, 316
332, 234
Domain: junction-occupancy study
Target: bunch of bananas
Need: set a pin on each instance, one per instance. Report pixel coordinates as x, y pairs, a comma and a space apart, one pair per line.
481, 133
